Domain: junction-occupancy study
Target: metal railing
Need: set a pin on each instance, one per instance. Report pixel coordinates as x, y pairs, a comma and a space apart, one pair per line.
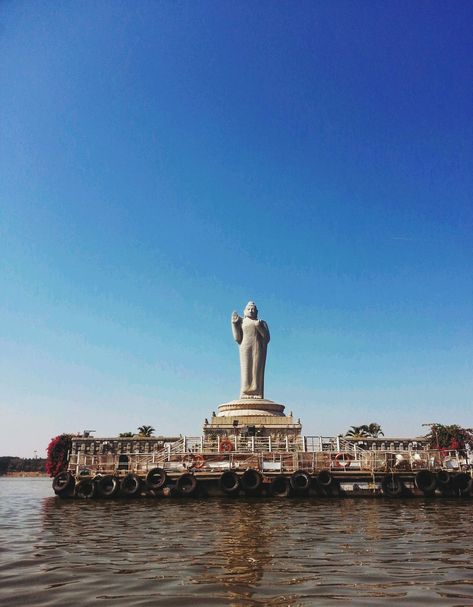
174, 458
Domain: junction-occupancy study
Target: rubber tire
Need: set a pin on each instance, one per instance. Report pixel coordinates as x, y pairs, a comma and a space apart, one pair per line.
324, 478
107, 486
156, 479
300, 481
425, 481
130, 485
444, 479
251, 481
279, 486
462, 483
229, 482
63, 483
392, 486
186, 484
85, 489
334, 490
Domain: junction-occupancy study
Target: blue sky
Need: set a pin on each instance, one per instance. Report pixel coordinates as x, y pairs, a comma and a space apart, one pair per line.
162, 163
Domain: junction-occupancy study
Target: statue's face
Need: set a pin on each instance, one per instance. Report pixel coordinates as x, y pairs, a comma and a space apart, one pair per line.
251, 311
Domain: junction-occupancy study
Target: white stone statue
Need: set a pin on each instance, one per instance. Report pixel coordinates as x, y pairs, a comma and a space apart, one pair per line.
252, 335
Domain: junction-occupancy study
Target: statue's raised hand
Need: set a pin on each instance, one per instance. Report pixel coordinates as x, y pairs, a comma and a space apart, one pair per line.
235, 317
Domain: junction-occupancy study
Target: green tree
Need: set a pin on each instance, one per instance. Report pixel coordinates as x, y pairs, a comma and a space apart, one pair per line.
374, 430
356, 432
449, 436
125, 434
145, 431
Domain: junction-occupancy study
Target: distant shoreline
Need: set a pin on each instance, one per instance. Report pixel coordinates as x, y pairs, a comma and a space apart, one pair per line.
24, 474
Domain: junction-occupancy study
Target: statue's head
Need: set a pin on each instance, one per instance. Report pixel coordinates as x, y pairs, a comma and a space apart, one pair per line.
251, 311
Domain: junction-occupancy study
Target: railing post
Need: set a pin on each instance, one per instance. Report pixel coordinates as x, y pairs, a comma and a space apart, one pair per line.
252, 444
201, 444
184, 442
218, 443
269, 443
287, 443
338, 444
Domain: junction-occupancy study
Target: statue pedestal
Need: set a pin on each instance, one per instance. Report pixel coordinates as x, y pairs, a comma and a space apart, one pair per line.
250, 406
252, 416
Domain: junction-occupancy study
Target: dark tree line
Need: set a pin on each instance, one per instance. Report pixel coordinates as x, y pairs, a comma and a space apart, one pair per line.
21, 464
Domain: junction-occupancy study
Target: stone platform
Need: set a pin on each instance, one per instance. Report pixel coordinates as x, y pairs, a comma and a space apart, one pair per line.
251, 407
259, 416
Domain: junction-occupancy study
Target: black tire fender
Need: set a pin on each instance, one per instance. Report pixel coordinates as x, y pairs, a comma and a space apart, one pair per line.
300, 481
85, 489
156, 478
425, 481
443, 479
251, 480
130, 485
186, 484
107, 486
63, 483
229, 482
392, 486
462, 483
279, 486
324, 478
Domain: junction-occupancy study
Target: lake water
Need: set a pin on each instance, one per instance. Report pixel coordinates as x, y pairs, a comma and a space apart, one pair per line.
231, 552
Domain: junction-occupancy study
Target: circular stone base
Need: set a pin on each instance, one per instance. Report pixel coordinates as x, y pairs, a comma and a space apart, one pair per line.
250, 406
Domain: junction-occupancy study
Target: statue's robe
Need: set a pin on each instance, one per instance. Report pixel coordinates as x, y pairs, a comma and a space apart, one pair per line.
253, 338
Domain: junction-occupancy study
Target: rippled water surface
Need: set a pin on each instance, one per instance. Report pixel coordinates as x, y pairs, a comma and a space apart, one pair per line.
232, 552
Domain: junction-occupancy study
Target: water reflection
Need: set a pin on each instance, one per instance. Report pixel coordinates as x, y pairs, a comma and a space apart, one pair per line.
236, 552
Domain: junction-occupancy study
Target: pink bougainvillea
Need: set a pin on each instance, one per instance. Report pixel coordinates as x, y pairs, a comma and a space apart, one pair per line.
58, 450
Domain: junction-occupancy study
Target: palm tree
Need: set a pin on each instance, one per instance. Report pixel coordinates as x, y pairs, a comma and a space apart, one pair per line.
374, 430
125, 434
145, 431
356, 432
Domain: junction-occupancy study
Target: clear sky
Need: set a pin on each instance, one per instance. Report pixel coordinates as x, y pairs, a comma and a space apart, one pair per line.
164, 162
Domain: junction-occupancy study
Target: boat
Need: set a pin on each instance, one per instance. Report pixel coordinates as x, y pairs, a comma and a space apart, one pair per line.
245, 464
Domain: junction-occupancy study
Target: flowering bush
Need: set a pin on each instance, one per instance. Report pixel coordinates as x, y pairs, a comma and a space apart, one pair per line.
450, 437
58, 451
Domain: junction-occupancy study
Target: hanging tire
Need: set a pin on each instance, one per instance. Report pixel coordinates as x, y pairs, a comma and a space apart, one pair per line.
229, 482
392, 486
107, 486
279, 486
63, 484
251, 481
300, 481
324, 478
156, 479
85, 489
425, 481
186, 484
130, 485
462, 483
443, 480
334, 490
